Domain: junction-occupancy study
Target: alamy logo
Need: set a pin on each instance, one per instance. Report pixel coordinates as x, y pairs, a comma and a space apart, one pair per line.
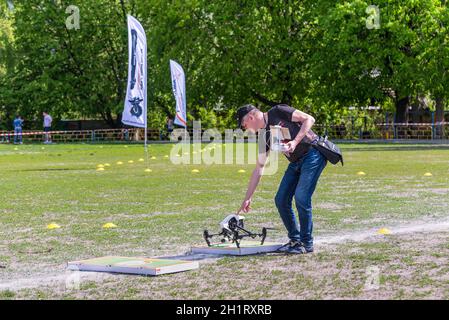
373, 20
372, 278
73, 21
205, 147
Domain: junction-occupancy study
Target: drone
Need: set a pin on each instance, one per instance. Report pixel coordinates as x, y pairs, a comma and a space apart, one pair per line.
233, 230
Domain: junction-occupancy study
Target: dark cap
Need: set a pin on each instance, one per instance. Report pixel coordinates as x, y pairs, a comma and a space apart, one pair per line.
243, 111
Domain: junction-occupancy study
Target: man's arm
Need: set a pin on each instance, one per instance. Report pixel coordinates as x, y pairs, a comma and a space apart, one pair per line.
253, 182
307, 122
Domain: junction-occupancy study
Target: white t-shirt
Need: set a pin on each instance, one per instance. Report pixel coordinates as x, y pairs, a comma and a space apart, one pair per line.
47, 121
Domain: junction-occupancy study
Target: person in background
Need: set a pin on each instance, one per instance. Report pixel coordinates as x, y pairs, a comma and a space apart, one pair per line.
47, 126
170, 127
125, 134
18, 123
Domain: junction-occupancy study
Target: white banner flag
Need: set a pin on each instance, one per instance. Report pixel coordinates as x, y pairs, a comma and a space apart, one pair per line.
179, 90
135, 111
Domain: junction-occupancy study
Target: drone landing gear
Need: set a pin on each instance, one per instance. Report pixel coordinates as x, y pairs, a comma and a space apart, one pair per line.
235, 235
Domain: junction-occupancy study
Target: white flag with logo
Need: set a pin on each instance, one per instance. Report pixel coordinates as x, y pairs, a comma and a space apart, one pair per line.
135, 111
179, 91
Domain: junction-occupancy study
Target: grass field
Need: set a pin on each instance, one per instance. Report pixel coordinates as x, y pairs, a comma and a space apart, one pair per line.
164, 212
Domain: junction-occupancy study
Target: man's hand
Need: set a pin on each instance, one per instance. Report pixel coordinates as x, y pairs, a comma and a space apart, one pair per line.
245, 207
291, 146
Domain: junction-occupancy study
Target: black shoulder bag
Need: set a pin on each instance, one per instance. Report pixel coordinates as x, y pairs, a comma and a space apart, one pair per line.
328, 149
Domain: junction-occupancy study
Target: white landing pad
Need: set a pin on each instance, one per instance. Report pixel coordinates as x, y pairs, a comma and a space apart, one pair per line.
131, 265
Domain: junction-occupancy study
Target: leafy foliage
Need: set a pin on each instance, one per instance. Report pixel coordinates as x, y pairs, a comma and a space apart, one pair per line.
318, 56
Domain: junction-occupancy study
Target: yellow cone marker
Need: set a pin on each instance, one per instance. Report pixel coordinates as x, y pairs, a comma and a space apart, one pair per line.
107, 164
16, 148
427, 174
100, 166
148, 170
242, 171
119, 162
166, 156
195, 171
384, 231
52, 226
109, 225
43, 148
153, 158
141, 160
361, 173
100, 169
130, 161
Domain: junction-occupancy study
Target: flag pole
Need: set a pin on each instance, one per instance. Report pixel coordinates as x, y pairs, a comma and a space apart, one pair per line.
146, 105
146, 140
146, 149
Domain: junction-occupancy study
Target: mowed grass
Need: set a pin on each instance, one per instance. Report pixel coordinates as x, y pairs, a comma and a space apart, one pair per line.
164, 212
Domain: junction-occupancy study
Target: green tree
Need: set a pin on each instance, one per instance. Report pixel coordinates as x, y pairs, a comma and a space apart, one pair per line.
355, 64
437, 58
67, 71
7, 60
318, 56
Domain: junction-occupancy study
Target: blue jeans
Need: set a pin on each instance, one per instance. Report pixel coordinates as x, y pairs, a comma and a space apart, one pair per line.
17, 135
299, 181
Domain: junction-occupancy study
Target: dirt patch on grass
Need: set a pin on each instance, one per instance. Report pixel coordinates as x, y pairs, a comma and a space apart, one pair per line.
372, 234
332, 206
441, 191
404, 194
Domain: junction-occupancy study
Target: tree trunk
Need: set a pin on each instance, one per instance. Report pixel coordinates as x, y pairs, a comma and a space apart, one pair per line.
414, 113
439, 109
286, 97
401, 110
439, 117
107, 117
263, 99
118, 120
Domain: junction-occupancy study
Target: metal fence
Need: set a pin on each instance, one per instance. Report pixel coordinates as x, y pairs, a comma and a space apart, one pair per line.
387, 131
383, 131
102, 135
